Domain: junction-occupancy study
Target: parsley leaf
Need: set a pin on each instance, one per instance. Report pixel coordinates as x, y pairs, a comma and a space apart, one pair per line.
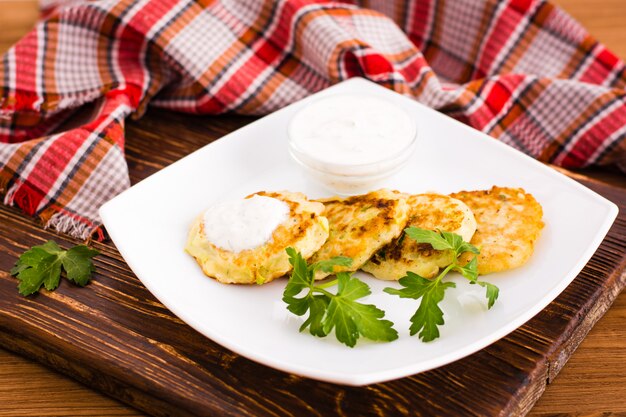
42, 265
78, 265
351, 319
328, 265
318, 304
428, 315
431, 292
441, 240
437, 241
469, 271
339, 312
300, 279
492, 292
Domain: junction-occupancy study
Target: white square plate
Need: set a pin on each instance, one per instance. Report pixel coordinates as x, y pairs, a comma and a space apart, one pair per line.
149, 224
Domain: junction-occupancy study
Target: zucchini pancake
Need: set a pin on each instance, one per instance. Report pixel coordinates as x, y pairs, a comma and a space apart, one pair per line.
361, 225
426, 211
304, 229
509, 222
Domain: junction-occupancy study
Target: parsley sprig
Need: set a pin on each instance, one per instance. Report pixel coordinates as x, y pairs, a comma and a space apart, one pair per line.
429, 316
42, 265
340, 311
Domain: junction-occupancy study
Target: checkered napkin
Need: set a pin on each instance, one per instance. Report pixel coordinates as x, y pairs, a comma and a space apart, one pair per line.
520, 70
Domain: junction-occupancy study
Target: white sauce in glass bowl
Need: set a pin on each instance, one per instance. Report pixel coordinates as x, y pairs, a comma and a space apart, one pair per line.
351, 143
351, 130
244, 224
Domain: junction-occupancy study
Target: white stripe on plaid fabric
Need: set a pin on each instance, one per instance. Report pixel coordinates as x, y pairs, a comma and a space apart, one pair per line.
519, 29
611, 141
28, 164
109, 178
119, 114
501, 7
590, 124
515, 96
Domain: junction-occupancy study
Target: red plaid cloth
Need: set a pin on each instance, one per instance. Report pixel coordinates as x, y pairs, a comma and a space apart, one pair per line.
520, 70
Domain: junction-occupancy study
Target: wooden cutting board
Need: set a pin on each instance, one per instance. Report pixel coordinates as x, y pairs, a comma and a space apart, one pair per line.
117, 338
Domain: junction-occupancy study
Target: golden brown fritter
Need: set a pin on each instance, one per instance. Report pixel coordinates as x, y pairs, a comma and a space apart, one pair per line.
427, 211
361, 225
305, 230
508, 225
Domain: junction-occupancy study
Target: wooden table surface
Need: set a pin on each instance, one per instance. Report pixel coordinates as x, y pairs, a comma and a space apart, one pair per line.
593, 381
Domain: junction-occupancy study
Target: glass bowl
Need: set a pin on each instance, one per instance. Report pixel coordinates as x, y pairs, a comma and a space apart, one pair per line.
350, 143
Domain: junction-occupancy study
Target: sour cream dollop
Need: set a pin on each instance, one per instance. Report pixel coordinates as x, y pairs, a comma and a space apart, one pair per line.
239, 225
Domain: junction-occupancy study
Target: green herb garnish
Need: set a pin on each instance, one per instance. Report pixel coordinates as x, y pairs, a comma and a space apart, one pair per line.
327, 311
43, 264
429, 316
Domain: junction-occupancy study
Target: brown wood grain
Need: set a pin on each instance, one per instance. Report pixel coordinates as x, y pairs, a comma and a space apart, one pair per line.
133, 332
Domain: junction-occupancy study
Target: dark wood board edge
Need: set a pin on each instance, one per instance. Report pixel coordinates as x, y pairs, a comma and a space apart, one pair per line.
592, 311
563, 352
587, 316
116, 388
560, 353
